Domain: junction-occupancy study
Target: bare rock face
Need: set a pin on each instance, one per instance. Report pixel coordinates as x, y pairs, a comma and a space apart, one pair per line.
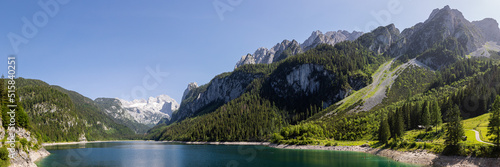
220, 90
489, 29
288, 48
247, 59
441, 24
381, 39
26, 155
301, 80
279, 52
331, 38
191, 86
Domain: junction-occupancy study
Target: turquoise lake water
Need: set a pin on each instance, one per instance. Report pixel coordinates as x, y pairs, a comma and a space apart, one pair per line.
158, 154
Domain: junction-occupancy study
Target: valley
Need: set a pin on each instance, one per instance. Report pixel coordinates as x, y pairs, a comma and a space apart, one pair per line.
427, 95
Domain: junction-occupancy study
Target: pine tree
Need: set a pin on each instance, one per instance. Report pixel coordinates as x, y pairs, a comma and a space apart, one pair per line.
454, 127
426, 116
494, 125
384, 131
436, 118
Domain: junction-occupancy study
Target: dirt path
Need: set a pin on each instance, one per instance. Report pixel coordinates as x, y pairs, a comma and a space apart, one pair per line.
478, 137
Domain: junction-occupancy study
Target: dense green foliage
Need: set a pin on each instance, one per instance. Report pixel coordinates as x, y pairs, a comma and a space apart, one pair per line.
21, 118
436, 117
426, 115
454, 127
453, 87
247, 118
447, 52
411, 81
494, 125
352, 63
384, 132
4, 157
56, 114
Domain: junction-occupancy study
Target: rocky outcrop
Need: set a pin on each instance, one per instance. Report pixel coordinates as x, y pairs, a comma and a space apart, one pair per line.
279, 52
489, 29
330, 37
191, 86
286, 49
25, 155
381, 39
220, 90
289, 48
292, 86
301, 80
28, 159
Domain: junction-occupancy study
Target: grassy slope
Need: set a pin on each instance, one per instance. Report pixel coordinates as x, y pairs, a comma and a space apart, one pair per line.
432, 140
479, 123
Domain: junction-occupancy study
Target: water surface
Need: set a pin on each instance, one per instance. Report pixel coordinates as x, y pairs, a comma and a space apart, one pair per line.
153, 154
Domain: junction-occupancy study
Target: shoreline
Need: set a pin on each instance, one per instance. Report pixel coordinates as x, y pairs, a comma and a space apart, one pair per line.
421, 158
418, 157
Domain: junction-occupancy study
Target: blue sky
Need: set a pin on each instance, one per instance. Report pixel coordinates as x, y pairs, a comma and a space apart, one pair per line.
105, 48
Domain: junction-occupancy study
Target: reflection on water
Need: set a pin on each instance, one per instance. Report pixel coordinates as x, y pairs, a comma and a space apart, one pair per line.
152, 154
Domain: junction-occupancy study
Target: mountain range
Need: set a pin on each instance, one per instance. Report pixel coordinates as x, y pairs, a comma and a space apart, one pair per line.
329, 81
288, 48
139, 114
335, 77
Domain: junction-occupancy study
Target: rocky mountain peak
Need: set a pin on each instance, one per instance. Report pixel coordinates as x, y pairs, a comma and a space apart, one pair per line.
489, 29
288, 48
330, 37
191, 86
381, 39
309, 41
442, 24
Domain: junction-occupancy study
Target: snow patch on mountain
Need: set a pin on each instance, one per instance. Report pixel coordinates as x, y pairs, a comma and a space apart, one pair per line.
148, 112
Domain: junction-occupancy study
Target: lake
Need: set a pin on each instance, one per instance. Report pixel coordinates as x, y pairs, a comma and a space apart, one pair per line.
153, 154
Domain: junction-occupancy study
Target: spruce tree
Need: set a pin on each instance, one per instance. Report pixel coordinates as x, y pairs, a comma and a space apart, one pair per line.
384, 131
494, 125
399, 125
426, 116
454, 127
436, 118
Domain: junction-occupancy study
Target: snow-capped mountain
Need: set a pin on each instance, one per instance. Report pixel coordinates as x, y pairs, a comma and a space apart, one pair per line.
140, 111
161, 104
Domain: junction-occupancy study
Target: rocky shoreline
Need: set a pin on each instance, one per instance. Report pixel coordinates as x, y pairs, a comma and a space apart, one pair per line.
419, 157
28, 160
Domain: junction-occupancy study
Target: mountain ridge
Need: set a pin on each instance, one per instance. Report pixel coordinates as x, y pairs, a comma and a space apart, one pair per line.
139, 114
267, 56
291, 85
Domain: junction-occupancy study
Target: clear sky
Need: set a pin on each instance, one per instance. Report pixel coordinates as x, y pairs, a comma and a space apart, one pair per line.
105, 48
